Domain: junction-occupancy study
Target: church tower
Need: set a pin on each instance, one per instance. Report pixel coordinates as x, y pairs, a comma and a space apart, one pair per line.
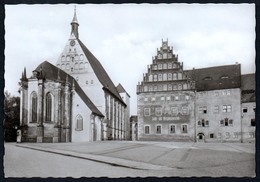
75, 25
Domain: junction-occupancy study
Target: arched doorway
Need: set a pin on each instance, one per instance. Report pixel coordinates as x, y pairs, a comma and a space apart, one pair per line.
201, 137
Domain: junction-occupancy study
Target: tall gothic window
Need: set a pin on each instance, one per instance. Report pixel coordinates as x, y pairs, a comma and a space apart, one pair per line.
48, 107
79, 124
34, 107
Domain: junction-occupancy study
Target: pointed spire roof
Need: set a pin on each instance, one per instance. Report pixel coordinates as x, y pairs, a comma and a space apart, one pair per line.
75, 20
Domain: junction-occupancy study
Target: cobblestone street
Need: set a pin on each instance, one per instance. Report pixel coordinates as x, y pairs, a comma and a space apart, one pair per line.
131, 159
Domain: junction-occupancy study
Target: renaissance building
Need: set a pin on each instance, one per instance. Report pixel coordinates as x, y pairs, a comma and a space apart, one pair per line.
204, 104
74, 100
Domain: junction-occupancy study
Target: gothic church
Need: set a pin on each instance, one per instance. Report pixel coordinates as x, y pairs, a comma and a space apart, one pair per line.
74, 100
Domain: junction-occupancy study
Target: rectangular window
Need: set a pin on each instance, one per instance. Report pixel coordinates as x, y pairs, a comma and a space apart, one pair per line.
147, 130
162, 98
153, 98
187, 97
252, 122
145, 99
184, 129
176, 97
216, 109
221, 122
226, 121
168, 98
244, 109
230, 122
254, 109
147, 111
226, 108
211, 135
158, 111
203, 109
172, 129
158, 129
206, 123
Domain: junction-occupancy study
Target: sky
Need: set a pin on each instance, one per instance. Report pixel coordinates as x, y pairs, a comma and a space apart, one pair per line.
125, 37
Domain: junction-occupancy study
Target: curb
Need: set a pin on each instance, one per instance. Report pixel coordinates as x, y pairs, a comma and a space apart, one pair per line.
102, 159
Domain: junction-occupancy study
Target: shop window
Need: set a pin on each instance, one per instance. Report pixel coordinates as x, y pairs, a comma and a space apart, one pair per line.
252, 122
147, 130
79, 125
172, 129
158, 129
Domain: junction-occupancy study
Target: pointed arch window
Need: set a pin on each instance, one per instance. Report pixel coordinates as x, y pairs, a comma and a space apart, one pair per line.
33, 107
48, 107
79, 123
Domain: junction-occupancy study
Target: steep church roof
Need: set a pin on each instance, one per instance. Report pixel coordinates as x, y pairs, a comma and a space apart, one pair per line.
100, 72
121, 89
51, 72
218, 77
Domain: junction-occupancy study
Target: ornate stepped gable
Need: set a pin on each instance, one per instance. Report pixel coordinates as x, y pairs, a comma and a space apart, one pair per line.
165, 73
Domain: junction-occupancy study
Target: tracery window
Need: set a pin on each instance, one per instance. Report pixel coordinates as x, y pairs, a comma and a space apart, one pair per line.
34, 107
79, 123
48, 107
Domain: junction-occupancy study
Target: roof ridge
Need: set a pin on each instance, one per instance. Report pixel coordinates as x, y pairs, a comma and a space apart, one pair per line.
100, 72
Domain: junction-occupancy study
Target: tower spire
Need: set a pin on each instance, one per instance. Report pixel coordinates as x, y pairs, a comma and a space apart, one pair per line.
74, 24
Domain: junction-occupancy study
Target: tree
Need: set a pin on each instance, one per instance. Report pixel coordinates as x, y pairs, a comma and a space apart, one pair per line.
11, 116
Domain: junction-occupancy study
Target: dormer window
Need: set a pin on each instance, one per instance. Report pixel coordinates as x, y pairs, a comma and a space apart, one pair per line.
224, 77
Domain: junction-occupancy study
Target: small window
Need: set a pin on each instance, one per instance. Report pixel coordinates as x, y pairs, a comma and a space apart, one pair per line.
230, 122
162, 98
207, 78
158, 129
251, 134
159, 66
87, 82
221, 122
254, 109
226, 108
176, 97
187, 97
203, 109
184, 129
153, 99
147, 129
206, 123
199, 123
145, 99
172, 129
169, 87
227, 134
168, 98
244, 110
169, 65
252, 122
155, 78
155, 67
211, 135
216, 109
216, 93
226, 121
79, 124
155, 88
